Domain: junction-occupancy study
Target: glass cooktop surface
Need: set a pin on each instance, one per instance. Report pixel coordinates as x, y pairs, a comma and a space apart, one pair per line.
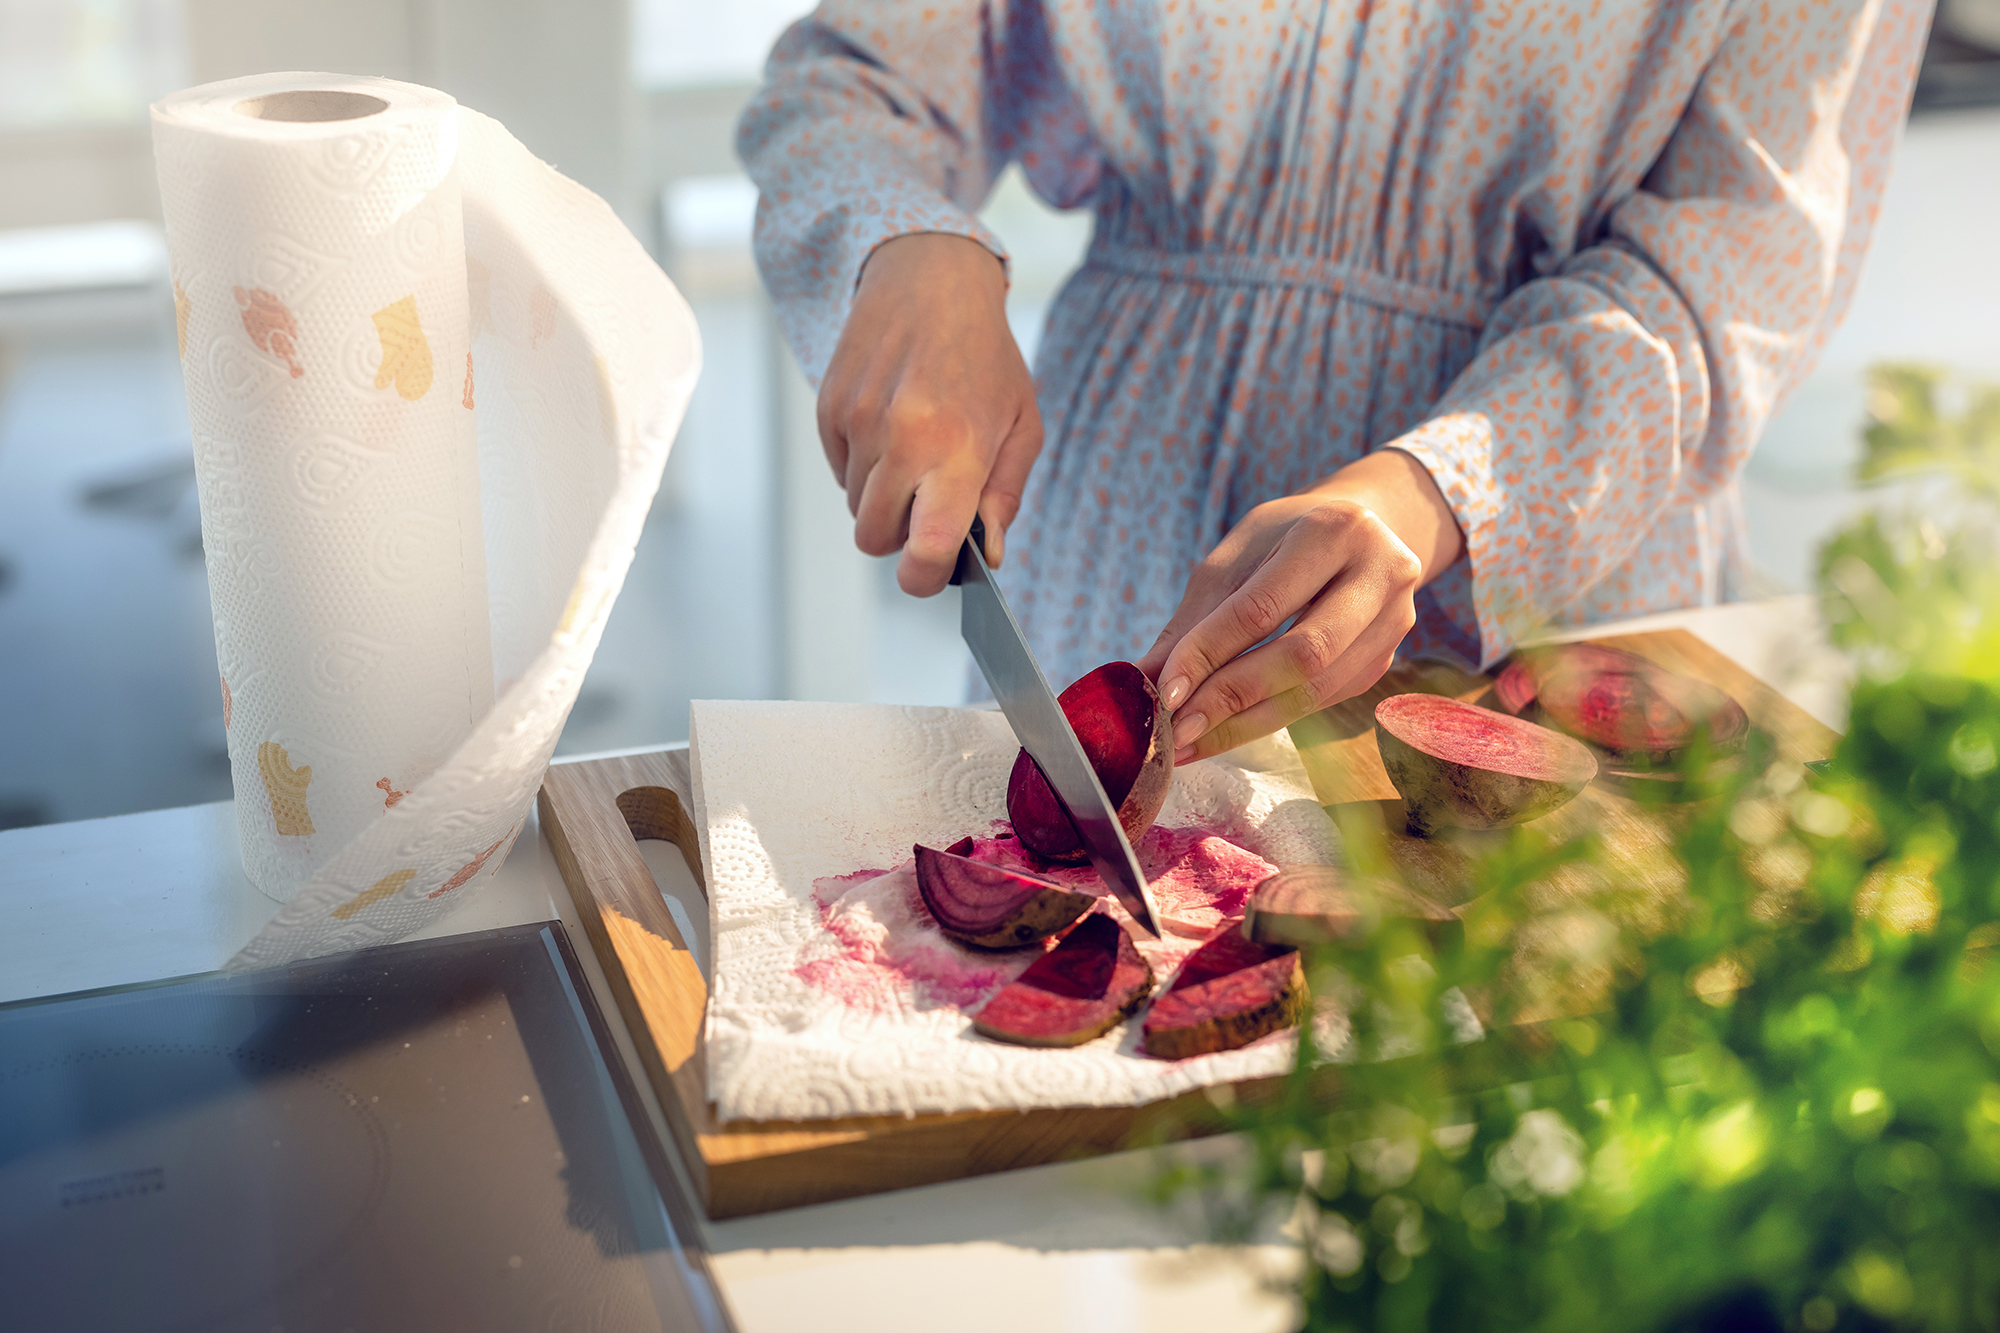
419, 1136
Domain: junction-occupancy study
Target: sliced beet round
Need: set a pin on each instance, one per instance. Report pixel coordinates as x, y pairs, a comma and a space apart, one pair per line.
1076, 992
1228, 993
1307, 904
1123, 726
1470, 767
989, 906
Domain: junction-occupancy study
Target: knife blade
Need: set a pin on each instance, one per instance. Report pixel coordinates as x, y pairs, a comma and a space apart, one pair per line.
1017, 682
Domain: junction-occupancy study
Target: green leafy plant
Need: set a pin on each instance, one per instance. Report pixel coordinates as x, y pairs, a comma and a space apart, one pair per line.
1915, 582
1760, 1090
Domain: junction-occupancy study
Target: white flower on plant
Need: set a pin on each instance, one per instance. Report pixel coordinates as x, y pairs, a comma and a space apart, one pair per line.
1544, 1156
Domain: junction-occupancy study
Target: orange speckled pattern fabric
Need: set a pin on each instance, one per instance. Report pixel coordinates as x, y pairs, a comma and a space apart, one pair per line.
1569, 254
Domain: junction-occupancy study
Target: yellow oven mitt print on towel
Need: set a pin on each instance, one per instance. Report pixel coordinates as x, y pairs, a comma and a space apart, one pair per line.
406, 355
287, 788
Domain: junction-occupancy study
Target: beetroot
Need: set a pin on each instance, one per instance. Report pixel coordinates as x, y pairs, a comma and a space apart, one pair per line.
1308, 904
1474, 768
1076, 992
1649, 715
1514, 687
1637, 711
1228, 993
989, 906
1123, 726
1517, 685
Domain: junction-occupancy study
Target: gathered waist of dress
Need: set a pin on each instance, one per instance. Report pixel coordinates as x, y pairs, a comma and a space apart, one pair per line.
1225, 268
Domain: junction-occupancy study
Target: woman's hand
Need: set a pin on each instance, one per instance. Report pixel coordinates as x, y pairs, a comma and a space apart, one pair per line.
1346, 559
927, 412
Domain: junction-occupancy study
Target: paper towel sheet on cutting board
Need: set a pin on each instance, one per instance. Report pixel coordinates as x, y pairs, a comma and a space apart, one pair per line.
791, 794
433, 384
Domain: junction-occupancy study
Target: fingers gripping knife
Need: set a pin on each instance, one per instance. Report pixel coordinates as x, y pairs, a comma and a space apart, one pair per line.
1017, 681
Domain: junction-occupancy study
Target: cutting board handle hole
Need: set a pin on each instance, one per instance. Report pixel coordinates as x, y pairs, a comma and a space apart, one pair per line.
656, 812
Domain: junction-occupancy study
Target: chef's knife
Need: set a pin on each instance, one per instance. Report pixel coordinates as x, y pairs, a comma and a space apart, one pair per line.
1017, 681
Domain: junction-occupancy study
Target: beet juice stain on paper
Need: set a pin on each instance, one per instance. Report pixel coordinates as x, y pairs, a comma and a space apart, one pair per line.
891, 953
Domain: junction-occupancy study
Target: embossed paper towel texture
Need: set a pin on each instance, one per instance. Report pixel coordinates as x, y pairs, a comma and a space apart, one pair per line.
432, 385
789, 793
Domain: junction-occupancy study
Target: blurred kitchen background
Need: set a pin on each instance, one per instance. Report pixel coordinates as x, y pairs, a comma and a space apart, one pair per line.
746, 584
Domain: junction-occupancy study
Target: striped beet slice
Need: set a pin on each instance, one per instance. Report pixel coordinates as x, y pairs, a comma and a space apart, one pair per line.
989, 906
1228, 993
1076, 992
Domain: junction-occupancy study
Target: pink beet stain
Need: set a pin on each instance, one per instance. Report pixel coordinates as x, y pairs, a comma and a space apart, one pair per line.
1197, 877
892, 955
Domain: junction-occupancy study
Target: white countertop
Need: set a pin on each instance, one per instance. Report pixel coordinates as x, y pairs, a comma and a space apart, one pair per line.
1072, 1247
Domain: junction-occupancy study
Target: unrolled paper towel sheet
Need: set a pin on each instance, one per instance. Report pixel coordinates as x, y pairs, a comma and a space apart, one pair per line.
794, 796
432, 385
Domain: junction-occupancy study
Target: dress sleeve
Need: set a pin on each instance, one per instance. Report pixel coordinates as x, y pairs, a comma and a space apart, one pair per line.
1638, 376
880, 119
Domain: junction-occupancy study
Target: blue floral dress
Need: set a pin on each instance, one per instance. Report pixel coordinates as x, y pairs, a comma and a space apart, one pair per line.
1568, 254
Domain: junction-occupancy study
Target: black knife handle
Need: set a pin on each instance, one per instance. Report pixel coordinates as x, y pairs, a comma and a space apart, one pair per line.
977, 536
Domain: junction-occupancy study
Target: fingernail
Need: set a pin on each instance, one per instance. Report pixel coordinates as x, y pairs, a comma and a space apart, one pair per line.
1187, 730
1177, 690
1182, 755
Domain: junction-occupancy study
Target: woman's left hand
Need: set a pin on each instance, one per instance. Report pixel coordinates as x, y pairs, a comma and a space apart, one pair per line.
1346, 559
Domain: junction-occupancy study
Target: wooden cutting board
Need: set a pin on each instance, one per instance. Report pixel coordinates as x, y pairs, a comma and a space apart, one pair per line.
594, 813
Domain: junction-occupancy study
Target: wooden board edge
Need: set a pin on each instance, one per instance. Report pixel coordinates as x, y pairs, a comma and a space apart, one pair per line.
933, 1150
683, 1123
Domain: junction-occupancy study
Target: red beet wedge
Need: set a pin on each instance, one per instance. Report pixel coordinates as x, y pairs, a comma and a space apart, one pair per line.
1307, 904
989, 906
1076, 992
1228, 993
1123, 727
1470, 767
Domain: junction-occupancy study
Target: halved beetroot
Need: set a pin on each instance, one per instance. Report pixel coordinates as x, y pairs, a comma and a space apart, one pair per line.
1123, 727
1518, 683
1228, 993
1474, 768
1076, 992
1308, 904
1514, 687
989, 906
1647, 714
1623, 703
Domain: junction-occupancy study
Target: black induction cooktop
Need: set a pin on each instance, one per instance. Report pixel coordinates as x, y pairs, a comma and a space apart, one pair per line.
420, 1136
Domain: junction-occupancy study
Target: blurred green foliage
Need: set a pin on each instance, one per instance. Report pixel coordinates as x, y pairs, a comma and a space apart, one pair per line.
1771, 1101
1914, 583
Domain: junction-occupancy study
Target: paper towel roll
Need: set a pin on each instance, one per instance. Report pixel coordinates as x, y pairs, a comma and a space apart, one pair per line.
417, 360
